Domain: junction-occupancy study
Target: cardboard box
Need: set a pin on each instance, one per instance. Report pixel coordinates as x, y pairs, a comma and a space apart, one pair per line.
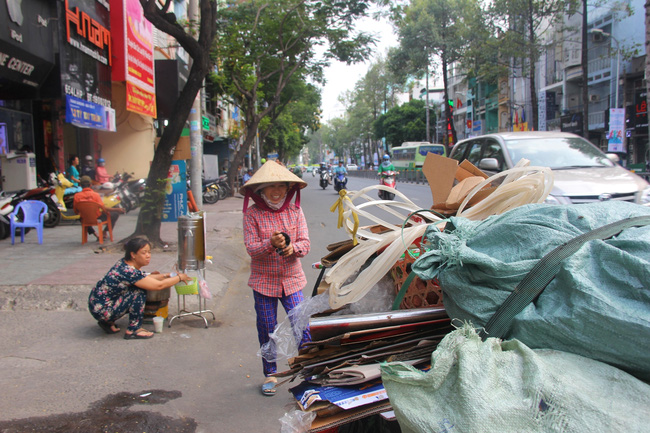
442, 173
182, 151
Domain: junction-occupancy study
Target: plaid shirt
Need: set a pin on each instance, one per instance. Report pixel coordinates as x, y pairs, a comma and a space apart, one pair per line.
272, 274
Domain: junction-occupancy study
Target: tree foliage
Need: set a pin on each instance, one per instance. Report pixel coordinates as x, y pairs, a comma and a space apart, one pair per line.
288, 132
433, 29
263, 46
403, 123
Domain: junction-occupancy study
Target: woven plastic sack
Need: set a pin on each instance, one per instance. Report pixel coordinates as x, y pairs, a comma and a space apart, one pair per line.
506, 387
598, 304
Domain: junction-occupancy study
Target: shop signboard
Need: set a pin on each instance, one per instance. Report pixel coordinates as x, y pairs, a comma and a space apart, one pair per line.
571, 123
175, 192
26, 48
85, 56
85, 114
133, 52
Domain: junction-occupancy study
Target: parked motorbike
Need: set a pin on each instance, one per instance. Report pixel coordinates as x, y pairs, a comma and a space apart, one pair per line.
124, 190
387, 178
340, 182
325, 178
5, 209
211, 191
136, 188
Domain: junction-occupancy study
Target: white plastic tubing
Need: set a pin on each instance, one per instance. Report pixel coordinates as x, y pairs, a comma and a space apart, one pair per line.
521, 185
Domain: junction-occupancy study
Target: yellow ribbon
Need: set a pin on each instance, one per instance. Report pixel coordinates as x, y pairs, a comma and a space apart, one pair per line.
343, 196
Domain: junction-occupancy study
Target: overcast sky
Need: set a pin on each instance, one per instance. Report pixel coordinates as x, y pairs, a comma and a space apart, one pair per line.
341, 77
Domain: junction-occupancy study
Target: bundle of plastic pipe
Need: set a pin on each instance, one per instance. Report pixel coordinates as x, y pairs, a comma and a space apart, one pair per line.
521, 185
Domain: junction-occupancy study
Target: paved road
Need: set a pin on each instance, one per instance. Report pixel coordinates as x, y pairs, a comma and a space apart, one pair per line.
58, 370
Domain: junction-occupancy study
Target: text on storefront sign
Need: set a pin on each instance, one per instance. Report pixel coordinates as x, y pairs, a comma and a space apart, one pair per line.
88, 29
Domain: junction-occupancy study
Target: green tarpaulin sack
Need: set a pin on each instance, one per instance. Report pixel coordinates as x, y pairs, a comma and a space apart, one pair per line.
500, 386
598, 303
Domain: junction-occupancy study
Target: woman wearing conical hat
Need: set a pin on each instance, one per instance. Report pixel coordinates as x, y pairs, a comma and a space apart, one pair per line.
276, 237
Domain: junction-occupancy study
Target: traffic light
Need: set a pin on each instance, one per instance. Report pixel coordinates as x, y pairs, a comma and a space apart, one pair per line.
450, 102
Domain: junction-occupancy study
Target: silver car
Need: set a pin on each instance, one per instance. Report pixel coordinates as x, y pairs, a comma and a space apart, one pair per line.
582, 172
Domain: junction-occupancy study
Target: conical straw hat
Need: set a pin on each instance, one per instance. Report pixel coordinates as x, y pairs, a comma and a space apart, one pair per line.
271, 172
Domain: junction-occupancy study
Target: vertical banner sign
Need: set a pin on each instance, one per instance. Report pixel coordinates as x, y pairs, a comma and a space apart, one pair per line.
176, 192
140, 85
616, 129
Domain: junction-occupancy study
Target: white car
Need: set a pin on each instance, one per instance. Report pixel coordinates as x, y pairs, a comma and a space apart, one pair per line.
351, 167
582, 172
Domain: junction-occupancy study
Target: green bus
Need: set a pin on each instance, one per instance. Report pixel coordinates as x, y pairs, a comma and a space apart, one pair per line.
411, 154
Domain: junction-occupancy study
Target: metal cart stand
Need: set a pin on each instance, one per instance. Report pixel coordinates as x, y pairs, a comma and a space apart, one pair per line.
191, 257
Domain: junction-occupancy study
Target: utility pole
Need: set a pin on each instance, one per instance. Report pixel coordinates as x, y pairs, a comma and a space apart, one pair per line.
196, 127
427, 101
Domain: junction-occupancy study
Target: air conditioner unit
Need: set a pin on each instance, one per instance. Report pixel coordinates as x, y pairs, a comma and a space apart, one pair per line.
594, 98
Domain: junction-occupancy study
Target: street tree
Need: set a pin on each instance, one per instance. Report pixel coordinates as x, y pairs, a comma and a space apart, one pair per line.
374, 94
406, 122
196, 38
288, 132
337, 136
263, 45
428, 30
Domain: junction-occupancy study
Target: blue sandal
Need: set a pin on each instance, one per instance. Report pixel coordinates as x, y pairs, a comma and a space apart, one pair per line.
268, 388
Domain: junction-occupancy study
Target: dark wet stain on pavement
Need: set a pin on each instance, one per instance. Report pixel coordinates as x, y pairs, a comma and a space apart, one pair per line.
109, 415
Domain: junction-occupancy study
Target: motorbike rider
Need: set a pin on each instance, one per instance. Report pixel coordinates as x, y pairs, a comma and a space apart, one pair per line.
101, 175
385, 165
340, 169
73, 175
88, 169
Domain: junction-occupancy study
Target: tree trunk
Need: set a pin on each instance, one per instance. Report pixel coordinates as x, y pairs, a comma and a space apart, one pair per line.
150, 216
239, 156
448, 115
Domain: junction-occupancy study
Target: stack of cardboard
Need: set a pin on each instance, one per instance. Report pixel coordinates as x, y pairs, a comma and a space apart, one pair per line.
339, 369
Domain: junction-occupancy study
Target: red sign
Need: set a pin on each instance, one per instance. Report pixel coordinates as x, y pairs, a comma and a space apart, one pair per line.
134, 49
140, 101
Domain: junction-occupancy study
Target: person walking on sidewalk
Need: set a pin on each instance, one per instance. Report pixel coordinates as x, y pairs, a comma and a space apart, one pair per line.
123, 290
276, 237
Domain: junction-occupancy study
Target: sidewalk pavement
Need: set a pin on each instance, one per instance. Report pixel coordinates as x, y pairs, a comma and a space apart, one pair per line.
55, 359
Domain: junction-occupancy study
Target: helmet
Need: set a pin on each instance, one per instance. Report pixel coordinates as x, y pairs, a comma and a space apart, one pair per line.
263, 160
100, 160
89, 158
386, 157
